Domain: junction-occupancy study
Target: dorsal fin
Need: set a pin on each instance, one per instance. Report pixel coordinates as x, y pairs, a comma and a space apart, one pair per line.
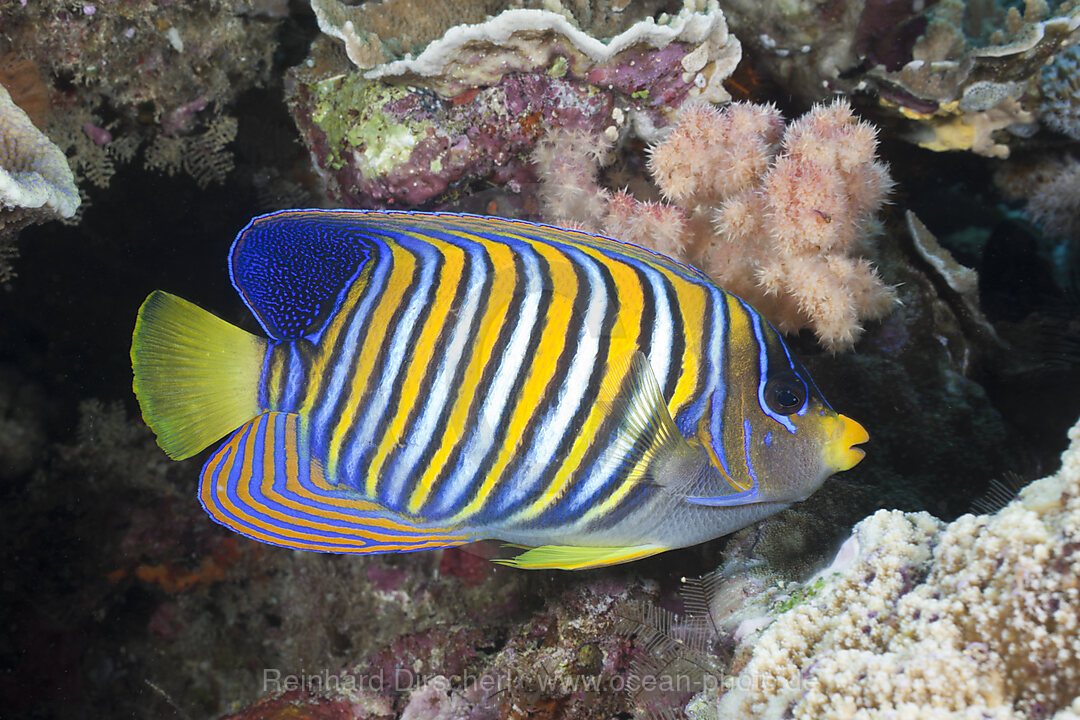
292, 267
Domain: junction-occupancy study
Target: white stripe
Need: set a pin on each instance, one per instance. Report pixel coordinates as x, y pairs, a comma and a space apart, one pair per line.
556, 423
763, 370
350, 347
372, 423
490, 418
441, 391
660, 350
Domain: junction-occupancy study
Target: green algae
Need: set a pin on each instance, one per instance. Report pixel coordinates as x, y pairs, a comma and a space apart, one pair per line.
349, 112
558, 67
798, 596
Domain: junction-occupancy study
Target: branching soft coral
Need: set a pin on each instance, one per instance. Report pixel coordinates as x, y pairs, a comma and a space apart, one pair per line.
779, 216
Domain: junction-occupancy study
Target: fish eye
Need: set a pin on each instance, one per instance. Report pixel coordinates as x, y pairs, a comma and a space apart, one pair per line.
785, 393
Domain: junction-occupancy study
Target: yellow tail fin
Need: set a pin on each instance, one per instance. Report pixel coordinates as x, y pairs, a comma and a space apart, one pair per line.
196, 376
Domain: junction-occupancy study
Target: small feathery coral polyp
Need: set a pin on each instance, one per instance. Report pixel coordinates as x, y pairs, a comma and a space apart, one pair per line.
434, 379
779, 216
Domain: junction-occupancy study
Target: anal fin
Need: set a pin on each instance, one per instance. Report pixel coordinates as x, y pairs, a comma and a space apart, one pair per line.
263, 484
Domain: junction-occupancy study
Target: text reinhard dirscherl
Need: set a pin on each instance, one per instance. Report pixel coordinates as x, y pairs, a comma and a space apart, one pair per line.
402, 679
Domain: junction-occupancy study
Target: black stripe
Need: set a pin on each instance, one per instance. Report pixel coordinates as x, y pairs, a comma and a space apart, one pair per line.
381, 419
678, 338
648, 310
588, 397
424, 391
511, 321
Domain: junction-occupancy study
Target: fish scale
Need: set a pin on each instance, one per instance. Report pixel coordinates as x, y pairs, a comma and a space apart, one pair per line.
432, 379
548, 423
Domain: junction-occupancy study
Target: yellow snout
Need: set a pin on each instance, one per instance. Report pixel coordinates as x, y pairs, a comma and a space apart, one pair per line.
843, 435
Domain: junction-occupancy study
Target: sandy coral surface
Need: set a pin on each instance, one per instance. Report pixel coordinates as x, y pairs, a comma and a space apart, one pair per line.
917, 618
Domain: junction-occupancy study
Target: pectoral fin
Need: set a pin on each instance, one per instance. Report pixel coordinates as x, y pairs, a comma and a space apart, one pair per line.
743, 497
646, 434
655, 451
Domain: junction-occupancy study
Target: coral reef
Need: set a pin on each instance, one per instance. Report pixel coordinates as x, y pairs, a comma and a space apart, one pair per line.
972, 71
980, 616
471, 106
124, 75
378, 144
780, 217
565, 661
36, 183
702, 54
377, 33
1049, 185
1059, 88
954, 72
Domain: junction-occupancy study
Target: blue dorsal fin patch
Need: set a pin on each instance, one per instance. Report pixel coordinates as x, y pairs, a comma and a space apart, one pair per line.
263, 484
293, 267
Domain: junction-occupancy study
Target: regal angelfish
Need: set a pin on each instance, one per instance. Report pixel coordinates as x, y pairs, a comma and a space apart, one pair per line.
434, 379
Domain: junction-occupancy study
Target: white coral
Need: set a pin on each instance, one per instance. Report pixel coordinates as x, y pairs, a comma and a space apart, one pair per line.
980, 618
474, 54
35, 180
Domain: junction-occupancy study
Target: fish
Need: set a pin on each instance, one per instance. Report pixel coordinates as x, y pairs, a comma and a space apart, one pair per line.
429, 380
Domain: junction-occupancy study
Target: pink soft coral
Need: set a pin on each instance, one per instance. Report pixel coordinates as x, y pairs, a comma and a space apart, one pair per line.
777, 216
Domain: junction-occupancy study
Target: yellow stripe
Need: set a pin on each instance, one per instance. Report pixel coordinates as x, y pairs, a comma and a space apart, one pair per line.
500, 295
275, 376
741, 361
279, 535
623, 344
320, 373
691, 301
423, 354
742, 349
401, 274
540, 371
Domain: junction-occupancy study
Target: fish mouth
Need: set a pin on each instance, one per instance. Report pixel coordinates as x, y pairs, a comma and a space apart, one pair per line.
840, 451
